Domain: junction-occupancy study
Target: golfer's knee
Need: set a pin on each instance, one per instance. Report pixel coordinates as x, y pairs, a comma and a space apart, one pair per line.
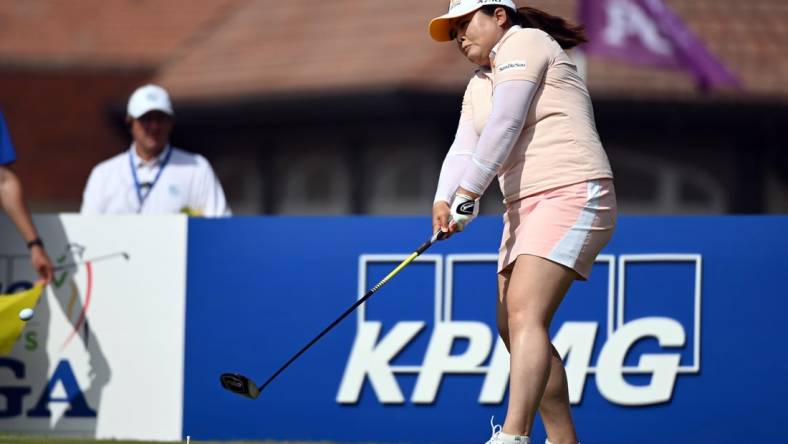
524, 322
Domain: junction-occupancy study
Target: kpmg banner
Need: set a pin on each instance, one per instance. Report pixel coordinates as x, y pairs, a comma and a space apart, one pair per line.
676, 337
103, 354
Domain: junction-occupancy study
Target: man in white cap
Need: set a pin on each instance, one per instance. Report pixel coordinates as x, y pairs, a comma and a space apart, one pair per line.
152, 176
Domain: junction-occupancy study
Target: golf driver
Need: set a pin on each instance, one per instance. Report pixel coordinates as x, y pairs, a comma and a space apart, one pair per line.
241, 385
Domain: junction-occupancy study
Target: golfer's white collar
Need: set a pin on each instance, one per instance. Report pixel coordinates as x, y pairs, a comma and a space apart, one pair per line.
508, 32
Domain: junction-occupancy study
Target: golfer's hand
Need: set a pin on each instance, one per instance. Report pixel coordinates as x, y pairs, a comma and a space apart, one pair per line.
41, 263
440, 217
463, 210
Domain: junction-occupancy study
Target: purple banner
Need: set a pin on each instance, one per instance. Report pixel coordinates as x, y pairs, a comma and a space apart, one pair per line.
647, 32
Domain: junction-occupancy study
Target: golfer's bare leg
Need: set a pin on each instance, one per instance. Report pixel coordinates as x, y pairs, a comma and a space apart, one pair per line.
528, 298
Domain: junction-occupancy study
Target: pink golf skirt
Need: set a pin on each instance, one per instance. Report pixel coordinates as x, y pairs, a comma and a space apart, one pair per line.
568, 225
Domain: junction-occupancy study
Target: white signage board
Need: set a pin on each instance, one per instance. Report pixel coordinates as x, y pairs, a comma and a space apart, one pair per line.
103, 355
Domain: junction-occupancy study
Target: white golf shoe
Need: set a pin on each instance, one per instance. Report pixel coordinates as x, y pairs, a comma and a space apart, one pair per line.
498, 437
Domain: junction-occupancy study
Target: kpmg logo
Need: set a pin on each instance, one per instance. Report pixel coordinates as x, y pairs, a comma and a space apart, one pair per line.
634, 338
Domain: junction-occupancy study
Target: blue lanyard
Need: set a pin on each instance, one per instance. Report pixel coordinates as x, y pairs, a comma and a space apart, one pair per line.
137, 185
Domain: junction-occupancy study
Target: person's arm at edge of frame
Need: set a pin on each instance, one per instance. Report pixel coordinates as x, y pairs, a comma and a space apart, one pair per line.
12, 200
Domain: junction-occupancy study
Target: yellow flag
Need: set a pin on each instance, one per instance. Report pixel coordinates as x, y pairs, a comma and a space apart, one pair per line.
10, 325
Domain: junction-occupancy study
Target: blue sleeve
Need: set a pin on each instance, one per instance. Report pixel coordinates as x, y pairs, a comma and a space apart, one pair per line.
7, 153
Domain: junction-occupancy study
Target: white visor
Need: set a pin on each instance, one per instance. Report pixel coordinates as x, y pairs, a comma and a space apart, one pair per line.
440, 27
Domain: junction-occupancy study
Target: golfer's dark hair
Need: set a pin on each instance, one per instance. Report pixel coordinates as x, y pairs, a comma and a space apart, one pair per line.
567, 34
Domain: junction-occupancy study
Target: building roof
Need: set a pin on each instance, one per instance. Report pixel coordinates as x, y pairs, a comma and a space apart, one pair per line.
750, 38
227, 49
56, 34
302, 45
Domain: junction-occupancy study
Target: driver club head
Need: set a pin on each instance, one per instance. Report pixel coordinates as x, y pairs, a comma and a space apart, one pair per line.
240, 385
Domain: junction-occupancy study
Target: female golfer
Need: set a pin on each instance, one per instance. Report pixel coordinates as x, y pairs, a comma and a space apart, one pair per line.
527, 118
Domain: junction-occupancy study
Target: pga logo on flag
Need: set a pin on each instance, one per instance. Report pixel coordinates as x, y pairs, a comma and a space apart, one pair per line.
647, 309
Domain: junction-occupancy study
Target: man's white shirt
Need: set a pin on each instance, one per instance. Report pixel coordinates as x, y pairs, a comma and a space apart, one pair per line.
186, 183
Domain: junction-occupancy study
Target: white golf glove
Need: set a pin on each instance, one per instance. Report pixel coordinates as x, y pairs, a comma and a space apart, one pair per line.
463, 210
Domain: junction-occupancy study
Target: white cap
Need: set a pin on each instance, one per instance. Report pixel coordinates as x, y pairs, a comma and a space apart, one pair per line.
149, 98
440, 27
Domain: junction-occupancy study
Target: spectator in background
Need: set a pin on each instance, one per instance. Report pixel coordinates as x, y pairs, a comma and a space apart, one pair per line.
13, 203
152, 176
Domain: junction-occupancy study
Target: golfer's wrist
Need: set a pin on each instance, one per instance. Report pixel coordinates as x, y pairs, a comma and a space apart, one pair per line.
467, 194
36, 242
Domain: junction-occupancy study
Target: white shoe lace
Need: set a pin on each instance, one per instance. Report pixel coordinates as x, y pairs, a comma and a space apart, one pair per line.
496, 430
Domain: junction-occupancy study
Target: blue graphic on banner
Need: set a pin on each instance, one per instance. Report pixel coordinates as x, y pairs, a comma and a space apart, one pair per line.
673, 336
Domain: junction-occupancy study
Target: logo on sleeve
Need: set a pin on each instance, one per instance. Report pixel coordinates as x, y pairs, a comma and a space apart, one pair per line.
518, 65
